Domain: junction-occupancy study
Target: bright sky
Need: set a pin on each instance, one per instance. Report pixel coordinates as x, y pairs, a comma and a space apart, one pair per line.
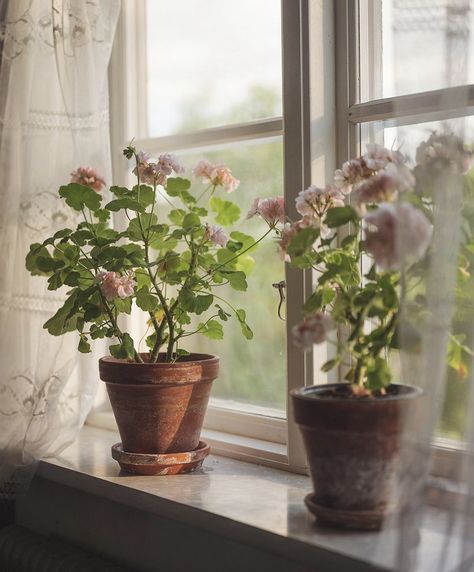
209, 52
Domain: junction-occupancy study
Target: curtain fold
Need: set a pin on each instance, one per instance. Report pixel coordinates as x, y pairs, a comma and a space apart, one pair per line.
53, 118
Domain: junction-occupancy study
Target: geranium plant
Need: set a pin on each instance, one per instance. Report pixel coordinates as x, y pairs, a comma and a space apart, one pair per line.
168, 264
377, 215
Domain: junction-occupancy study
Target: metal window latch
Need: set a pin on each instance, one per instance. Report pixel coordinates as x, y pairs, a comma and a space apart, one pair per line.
280, 286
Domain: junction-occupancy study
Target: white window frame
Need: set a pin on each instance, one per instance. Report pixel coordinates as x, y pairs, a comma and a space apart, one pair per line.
307, 28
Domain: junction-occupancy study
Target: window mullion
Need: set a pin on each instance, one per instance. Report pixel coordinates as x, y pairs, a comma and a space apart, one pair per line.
252, 130
426, 106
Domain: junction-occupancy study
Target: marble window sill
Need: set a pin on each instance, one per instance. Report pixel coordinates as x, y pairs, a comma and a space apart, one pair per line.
250, 504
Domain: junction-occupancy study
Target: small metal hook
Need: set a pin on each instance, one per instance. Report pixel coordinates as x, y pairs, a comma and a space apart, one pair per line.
281, 290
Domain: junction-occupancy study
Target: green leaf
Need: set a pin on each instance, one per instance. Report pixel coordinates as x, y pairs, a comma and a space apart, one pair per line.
245, 263
202, 303
36, 251
236, 280
245, 239
191, 221
212, 329
223, 315
314, 302
339, 216
84, 346
176, 216
195, 304
125, 203
134, 232
146, 195
175, 185
60, 323
303, 241
226, 212
79, 197
123, 350
146, 301
245, 328
47, 264
330, 364
378, 374
119, 192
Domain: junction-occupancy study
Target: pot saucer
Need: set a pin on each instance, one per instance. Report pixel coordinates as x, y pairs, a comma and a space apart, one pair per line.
160, 464
348, 519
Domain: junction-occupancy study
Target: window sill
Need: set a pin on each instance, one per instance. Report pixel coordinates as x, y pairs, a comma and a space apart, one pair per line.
259, 510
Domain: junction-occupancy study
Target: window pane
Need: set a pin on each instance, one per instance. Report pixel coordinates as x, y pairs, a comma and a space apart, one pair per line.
212, 63
410, 46
251, 371
407, 138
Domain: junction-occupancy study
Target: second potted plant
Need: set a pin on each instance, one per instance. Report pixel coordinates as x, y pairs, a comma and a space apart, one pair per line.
353, 431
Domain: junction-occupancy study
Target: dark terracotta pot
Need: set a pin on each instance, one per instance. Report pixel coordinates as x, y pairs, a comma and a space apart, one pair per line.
159, 407
353, 448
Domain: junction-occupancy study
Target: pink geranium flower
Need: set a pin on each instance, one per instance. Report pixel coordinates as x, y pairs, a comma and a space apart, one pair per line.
314, 202
216, 235
89, 177
312, 330
113, 285
156, 173
395, 232
218, 175
272, 210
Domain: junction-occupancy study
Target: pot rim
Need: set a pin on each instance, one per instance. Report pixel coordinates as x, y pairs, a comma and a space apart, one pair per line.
310, 393
186, 361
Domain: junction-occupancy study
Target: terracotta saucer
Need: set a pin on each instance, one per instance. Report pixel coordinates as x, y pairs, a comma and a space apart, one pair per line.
160, 464
348, 519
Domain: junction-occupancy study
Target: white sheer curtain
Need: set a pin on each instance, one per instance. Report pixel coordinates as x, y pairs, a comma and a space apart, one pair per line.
53, 118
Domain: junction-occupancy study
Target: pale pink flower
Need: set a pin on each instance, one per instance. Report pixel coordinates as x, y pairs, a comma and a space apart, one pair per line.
222, 176
203, 170
444, 152
167, 163
216, 235
312, 330
288, 233
89, 177
383, 186
314, 202
272, 210
218, 175
156, 173
114, 285
351, 173
377, 157
145, 170
395, 232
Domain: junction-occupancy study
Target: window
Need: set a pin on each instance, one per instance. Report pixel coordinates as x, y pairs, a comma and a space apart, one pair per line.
311, 84
407, 67
244, 103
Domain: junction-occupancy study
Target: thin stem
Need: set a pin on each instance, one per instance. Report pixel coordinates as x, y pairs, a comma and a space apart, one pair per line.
214, 270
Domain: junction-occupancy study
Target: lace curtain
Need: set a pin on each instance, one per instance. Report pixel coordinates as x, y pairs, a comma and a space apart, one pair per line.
53, 118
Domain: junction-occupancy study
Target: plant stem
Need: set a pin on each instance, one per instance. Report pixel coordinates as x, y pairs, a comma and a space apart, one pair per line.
211, 273
117, 330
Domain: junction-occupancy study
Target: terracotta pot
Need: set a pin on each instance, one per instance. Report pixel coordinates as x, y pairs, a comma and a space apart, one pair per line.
159, 407
353, 448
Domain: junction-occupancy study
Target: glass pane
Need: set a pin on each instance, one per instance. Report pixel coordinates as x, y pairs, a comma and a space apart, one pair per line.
414, 46
212, 63
251, 371
407, 138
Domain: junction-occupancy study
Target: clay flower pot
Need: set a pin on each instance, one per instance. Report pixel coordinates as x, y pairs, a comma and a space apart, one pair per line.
159, 407
353, 446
